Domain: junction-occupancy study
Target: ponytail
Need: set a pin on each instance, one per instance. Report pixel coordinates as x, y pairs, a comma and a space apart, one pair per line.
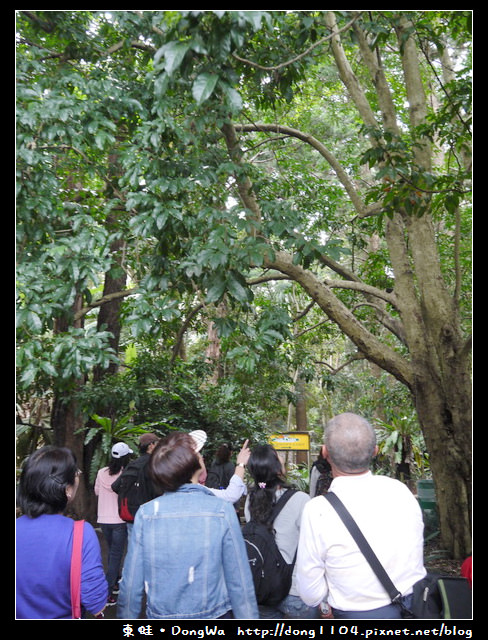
266, 470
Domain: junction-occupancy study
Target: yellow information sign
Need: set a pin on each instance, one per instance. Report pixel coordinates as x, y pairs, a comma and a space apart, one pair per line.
290, 441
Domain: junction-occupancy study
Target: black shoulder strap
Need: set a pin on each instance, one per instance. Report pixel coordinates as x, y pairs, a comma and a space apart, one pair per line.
363, 545
282, 500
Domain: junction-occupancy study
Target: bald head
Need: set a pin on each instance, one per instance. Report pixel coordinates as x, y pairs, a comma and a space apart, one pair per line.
350, 442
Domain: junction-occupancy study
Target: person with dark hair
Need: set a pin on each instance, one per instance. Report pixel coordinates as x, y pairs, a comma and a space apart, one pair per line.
332, 571
136, 470
186, 554
44, 540
225, 479
221, 469
268, 474
113, 527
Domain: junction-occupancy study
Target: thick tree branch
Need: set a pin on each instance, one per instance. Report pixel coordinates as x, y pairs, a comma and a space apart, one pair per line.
373, 63
108, 298
417, 100
355, 285
355, 358
392, 324
324, 152
267, 278
348, 76
368, 344
244, 183
363, 288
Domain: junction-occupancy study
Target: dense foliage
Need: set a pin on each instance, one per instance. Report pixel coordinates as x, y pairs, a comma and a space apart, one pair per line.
259, 197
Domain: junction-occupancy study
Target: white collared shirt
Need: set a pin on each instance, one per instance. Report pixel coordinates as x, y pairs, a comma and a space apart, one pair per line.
330, 566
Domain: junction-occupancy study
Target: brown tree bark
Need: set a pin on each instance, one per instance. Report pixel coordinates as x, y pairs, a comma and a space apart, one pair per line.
66, 421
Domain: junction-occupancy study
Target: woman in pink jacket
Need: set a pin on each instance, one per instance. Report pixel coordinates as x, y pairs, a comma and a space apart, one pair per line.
113, 527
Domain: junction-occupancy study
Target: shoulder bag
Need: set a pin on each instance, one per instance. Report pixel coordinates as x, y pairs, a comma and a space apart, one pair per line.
433, 596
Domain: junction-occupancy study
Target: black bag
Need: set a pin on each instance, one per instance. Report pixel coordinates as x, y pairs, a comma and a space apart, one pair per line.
446, 597
133, 488
219, 475
323, 483
434, 596
324, 479
271, 573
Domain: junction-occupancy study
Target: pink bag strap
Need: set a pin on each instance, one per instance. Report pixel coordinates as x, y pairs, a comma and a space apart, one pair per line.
75, 574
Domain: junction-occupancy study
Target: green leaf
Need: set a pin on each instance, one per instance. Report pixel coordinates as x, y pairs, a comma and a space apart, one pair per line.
48, 368
28, 375
270, 336
173, 52
33, 321
216, 289
130, 353
233, 97
237, 289
254, 18
103, 422
452, 202
203, 86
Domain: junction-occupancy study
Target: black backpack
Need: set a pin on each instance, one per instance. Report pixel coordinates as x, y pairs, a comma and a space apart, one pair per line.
133, 488
219, 475
271, 573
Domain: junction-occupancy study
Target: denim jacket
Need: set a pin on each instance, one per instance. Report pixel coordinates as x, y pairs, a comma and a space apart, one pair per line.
187, 554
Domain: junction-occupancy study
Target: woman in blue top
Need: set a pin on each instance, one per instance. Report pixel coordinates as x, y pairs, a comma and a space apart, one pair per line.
49, 480
186, 552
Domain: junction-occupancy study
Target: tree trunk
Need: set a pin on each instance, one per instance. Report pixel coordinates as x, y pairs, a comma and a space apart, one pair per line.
448, 442
65, 422
108, 314
301, 406
213, 352
441, 386
301, 415
109, 320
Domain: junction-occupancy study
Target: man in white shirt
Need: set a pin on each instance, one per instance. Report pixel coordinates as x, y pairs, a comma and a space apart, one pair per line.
331, 570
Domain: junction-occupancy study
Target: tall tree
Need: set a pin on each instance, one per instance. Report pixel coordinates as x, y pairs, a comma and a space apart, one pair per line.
413, 189
427, 315
283, 142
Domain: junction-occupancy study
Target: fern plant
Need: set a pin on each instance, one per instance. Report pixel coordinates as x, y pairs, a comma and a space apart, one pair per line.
111, 431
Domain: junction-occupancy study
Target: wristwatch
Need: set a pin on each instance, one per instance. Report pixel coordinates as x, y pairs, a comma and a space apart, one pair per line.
241, 464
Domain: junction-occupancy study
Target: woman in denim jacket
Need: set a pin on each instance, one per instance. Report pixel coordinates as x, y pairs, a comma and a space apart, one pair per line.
186, 553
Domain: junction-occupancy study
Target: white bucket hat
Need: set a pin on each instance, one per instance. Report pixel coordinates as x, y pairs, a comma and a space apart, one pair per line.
199, 437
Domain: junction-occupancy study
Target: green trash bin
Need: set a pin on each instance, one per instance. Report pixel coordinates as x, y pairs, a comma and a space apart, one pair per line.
428, 504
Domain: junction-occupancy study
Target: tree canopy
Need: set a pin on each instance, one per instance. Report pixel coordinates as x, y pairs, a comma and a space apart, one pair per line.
183, 168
